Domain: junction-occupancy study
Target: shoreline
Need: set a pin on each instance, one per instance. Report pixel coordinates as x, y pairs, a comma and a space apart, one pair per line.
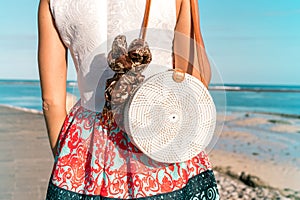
238, 89
27, 110
263, 145
70, 101
35, 111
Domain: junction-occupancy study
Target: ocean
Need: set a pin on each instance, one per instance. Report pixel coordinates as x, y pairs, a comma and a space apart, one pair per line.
26, 94
277, 99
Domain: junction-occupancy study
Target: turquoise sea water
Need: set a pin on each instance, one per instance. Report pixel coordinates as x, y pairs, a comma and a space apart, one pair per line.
249, 98
261, 98
26, 94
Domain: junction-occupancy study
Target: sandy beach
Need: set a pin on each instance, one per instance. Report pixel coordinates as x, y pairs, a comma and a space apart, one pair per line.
25, 158
264, 146
261, 145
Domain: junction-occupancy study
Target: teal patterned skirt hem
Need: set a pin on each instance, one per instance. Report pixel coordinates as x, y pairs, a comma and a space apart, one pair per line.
201, 187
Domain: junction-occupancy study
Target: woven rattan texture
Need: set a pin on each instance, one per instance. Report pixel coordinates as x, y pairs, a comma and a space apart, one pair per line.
170, 121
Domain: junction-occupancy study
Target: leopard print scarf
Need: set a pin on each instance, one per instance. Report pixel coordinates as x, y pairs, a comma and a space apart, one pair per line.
128, 65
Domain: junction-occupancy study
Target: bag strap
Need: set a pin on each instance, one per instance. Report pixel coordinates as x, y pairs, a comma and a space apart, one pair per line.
195, 27
197, 35
145, 20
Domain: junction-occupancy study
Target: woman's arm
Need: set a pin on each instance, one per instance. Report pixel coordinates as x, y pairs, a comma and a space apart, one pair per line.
52, 60
182, 47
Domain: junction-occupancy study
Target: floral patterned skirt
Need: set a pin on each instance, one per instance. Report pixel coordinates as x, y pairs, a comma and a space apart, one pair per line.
94, 161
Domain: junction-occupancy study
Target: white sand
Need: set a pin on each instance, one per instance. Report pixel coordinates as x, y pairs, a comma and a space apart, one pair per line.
276, 175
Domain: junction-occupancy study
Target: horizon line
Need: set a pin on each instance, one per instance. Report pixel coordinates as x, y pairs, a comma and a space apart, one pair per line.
212, 83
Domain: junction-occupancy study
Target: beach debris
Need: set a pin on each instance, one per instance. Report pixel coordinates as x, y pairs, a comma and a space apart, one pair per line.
278, 121
231, 188
255, 153
291, 194
251, 180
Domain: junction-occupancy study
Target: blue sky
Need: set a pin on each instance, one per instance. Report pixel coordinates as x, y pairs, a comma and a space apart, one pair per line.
250, 41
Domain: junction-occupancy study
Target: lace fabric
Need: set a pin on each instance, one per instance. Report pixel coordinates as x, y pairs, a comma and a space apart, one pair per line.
88, 27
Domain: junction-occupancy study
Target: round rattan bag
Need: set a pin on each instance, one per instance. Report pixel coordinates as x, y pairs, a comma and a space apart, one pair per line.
170, 121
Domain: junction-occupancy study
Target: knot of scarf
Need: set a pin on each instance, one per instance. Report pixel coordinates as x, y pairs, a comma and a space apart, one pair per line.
128, 63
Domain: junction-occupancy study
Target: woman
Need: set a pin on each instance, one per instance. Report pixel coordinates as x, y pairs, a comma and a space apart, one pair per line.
94, 160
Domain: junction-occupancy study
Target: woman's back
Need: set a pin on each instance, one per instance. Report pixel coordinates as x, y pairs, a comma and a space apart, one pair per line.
87, 28
94, 158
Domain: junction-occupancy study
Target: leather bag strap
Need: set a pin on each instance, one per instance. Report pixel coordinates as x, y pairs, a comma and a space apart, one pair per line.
145, 20
198, 38
195, 27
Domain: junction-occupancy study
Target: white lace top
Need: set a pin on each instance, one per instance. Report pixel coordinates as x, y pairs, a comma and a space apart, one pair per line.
87, 28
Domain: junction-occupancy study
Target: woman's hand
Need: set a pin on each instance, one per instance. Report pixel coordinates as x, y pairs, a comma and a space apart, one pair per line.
52, 60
